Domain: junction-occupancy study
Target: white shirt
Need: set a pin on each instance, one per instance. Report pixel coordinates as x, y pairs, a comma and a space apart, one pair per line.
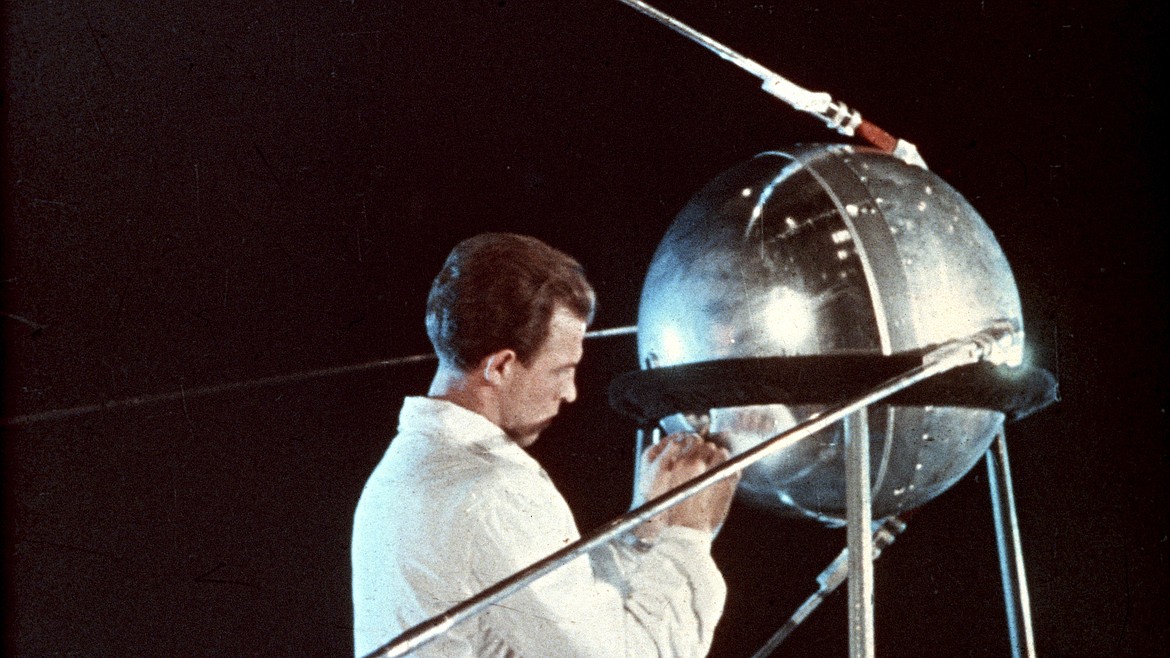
455, 506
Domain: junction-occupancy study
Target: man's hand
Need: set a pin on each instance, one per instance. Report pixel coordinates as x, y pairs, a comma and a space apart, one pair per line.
672, 462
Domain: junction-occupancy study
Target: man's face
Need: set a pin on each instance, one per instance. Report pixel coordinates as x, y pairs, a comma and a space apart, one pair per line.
533, 394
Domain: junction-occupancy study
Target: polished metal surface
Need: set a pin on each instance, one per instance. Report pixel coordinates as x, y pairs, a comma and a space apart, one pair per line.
824, 250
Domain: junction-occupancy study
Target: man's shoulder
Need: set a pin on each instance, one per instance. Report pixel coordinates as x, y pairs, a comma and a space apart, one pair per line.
417, 459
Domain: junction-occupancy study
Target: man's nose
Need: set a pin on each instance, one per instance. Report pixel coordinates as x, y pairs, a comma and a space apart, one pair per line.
569, 394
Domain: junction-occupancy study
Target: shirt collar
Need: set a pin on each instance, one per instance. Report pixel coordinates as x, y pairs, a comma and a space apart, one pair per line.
461, 426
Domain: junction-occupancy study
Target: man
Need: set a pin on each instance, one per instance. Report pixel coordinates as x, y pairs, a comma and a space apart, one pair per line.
456, 504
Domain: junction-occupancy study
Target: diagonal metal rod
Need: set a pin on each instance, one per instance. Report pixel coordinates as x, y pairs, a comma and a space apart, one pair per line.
884, 534
990, 345
835, 114
232, 387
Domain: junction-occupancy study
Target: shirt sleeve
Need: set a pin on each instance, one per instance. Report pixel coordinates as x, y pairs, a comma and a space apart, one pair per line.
664, 600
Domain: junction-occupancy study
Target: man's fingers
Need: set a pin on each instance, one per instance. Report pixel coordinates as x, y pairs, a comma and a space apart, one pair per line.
686, 455
678, 446
718, 455
708, 453
670, 444
721, 439
653, 451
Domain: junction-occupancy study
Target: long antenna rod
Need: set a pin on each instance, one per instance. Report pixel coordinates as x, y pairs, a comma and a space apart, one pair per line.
185, 394
835, 114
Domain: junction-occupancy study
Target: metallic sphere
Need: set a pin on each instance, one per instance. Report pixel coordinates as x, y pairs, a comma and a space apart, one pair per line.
830, 250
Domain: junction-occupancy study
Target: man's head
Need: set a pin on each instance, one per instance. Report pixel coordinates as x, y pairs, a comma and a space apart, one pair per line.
509, 313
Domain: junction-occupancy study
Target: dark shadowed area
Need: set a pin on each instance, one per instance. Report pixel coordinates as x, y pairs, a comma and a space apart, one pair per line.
205, 193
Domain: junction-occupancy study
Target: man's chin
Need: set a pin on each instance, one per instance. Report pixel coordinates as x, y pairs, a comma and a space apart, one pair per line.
526, 436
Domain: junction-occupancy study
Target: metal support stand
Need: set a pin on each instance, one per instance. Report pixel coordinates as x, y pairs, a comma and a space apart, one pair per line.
1011, 557
858, 514
1007, 534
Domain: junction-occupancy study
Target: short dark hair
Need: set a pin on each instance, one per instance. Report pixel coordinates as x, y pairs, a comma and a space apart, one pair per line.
499, 291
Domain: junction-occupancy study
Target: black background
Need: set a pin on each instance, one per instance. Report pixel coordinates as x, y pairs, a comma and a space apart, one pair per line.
211, 192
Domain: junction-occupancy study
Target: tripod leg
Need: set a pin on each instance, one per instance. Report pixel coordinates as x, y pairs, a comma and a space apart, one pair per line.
1011, 557
859, 516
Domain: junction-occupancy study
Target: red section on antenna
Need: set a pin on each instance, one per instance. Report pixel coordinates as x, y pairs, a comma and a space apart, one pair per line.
876, 136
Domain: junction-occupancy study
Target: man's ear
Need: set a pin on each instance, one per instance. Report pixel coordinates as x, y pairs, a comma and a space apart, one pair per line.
497, 366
